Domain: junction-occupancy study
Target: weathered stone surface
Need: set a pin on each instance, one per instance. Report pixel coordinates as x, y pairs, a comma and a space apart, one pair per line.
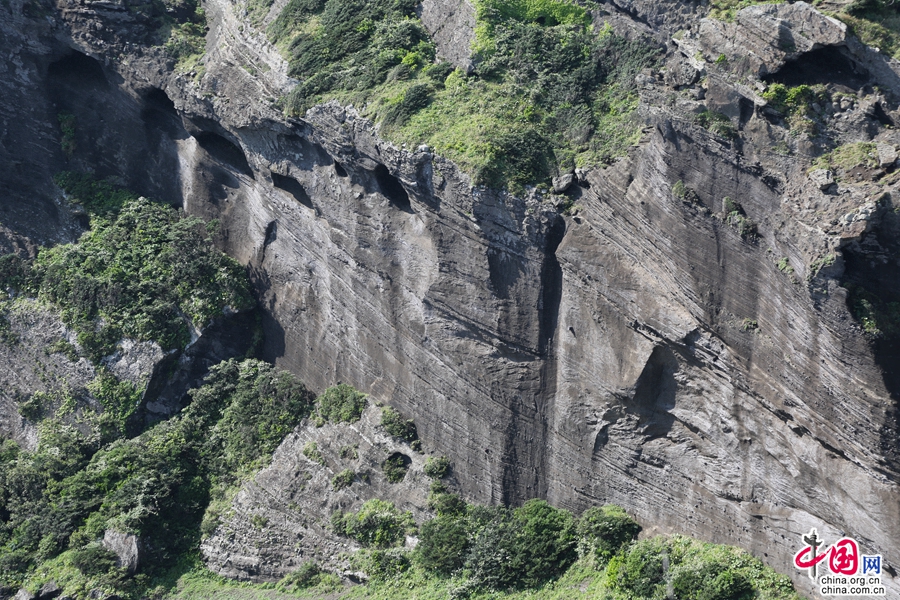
451, 24
887, 154
49, 591
127, 547
563, 182
821, 178
281, 519
591, 358
763, 38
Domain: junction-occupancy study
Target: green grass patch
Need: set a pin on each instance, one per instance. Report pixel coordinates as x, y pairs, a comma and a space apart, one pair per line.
876, 23
547, 92
341, 403
849, 156
878, 317
725, 10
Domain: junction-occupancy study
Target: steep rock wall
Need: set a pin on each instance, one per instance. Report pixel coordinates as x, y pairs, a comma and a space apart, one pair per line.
604, 355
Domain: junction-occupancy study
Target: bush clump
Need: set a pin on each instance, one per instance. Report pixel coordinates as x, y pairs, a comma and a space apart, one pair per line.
603, 530
437, 467
395, 467
146, 271
341, 404
394, 423
74, 487
545, 91
343, 479
377, 524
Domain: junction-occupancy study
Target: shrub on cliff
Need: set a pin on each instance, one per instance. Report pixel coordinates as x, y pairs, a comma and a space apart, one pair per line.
63, 496
394, 423
144, 271
341, 404
603, 530
377, 524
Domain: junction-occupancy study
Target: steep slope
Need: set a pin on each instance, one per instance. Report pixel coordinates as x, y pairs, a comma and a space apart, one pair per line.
696, 361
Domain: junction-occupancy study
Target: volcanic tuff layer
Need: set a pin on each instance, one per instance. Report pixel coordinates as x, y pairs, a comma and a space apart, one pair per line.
644, 348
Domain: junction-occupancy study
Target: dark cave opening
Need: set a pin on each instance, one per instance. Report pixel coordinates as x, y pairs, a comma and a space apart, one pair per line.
224, 151
294, 188
825, 66
158, 112
78, 69
392, 189
341, 172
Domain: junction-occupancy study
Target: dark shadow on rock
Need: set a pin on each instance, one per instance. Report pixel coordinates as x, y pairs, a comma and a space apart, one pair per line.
224, 151
159, 114
294, 188
392, 189
654, 393
231, 336
829, 65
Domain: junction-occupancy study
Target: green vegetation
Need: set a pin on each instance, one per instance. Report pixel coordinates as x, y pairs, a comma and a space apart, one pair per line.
796, 103
725, 10
377, 524
67, 127
735, 216
876, 23
343, 479
437, 467
311, 451
749, 325
7, 336
849, 156
144, 271
120, 399
309, 576
684, 193
394, 423
395, 467
349, 452
546, 92
57, 502
341, 404
784, 265
879, 318
183, 26
817, 265
717, 123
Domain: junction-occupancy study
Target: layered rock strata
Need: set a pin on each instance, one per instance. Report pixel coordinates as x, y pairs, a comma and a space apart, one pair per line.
641, 349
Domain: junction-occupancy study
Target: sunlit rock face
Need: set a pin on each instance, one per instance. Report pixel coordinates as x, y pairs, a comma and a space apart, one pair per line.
643, 347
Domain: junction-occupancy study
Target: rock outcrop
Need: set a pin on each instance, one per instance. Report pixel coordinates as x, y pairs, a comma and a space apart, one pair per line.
647, 348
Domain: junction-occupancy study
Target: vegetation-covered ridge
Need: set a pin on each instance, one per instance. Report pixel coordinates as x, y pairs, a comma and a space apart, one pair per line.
144, 270
546, 92
534, 551
164, 486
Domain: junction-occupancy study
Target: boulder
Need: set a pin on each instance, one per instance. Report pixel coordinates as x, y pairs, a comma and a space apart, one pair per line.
126, 546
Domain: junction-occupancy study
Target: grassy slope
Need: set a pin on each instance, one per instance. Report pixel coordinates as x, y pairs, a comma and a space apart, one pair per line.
548, 92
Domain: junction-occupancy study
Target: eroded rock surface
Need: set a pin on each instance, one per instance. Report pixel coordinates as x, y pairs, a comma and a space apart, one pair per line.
642, 349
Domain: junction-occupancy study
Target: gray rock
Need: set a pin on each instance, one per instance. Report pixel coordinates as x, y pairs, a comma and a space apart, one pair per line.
887, 154
451, 24
49, 591
563, 182
821, 178
127, 547
763, 37
24, 594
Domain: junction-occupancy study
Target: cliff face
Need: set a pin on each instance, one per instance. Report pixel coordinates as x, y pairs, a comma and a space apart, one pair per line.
641, 348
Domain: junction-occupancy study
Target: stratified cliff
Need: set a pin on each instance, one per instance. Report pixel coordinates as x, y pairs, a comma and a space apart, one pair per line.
639, 340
